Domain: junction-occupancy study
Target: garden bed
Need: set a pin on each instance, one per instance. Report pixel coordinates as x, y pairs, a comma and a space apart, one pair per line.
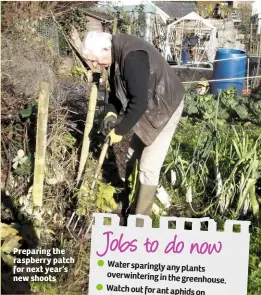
207, 122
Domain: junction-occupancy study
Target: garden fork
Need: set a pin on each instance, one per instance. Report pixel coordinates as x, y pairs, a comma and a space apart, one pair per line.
80, 220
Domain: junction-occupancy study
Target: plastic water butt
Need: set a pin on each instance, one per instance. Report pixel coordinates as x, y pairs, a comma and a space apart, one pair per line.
232, 65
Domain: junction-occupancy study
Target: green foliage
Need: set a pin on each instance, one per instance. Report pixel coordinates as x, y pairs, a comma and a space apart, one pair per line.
244, 172
198, 151
139, 24
231, 107
105, 200
133, 22
133, 181
44, 288
79, 72
102, 198
50, 45
75, 17
67, 140
244, 11
218, 162
255, 106
25, 169
10, 240
29, 110
254, 278
26, 112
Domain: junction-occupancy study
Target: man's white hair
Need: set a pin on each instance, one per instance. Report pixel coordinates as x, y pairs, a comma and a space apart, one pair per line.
95, 42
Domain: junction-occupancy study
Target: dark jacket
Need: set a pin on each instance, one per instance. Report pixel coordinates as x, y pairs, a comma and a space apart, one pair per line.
165, 88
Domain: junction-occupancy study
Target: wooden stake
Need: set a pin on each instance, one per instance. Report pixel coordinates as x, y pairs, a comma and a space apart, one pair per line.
251, 39
100, 162
88, 128
258, 62
41, 141
115, 25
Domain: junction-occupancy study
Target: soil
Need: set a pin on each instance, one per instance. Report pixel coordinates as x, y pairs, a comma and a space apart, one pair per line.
187, 75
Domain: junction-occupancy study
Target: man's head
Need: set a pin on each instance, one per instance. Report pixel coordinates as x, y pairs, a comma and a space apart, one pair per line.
96, 47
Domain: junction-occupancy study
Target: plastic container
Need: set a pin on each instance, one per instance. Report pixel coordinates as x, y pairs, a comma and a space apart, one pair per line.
233, 67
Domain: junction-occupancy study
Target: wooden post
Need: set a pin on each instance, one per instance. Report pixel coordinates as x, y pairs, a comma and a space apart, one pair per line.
100, 162
115, 25
41, 141
257, 80
247, 75
155, 35
129, 29
88, 128
181, 44
251, 39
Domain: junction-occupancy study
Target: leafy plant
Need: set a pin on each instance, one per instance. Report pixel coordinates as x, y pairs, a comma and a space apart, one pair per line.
231, 106
19, 159
10, 240
255, 108
79, 72
139, 24
105, 200
29, 109
22, 164
244, 175
222, 166
67, 140
102, 198
75, 17
44, 288
133, 22
26, 112
254, 278
133, 181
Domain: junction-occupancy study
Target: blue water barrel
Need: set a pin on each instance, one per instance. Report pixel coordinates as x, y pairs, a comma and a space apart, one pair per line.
184, 56
235, 67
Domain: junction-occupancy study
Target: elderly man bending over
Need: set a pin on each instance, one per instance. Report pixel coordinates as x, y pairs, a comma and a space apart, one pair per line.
151, 95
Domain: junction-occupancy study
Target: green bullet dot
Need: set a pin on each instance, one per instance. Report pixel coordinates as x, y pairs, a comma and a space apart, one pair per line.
100, 263
99, 287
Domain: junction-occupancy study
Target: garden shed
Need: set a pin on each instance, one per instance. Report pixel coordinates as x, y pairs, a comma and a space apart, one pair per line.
98, 21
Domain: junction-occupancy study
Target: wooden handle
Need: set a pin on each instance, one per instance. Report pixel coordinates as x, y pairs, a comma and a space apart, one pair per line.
101, 160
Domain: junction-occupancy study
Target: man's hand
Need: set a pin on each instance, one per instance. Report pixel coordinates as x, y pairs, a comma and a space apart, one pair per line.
109, 122
113, 137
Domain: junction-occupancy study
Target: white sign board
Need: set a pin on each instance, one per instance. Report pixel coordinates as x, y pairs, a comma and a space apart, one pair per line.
146, 260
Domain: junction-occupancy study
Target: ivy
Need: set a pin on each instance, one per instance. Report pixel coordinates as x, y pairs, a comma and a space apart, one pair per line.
75, 17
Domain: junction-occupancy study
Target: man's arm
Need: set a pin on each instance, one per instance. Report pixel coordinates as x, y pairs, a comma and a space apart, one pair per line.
136, 76
114, 104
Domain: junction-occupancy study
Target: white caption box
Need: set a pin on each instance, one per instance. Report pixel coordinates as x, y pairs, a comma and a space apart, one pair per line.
177, 261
